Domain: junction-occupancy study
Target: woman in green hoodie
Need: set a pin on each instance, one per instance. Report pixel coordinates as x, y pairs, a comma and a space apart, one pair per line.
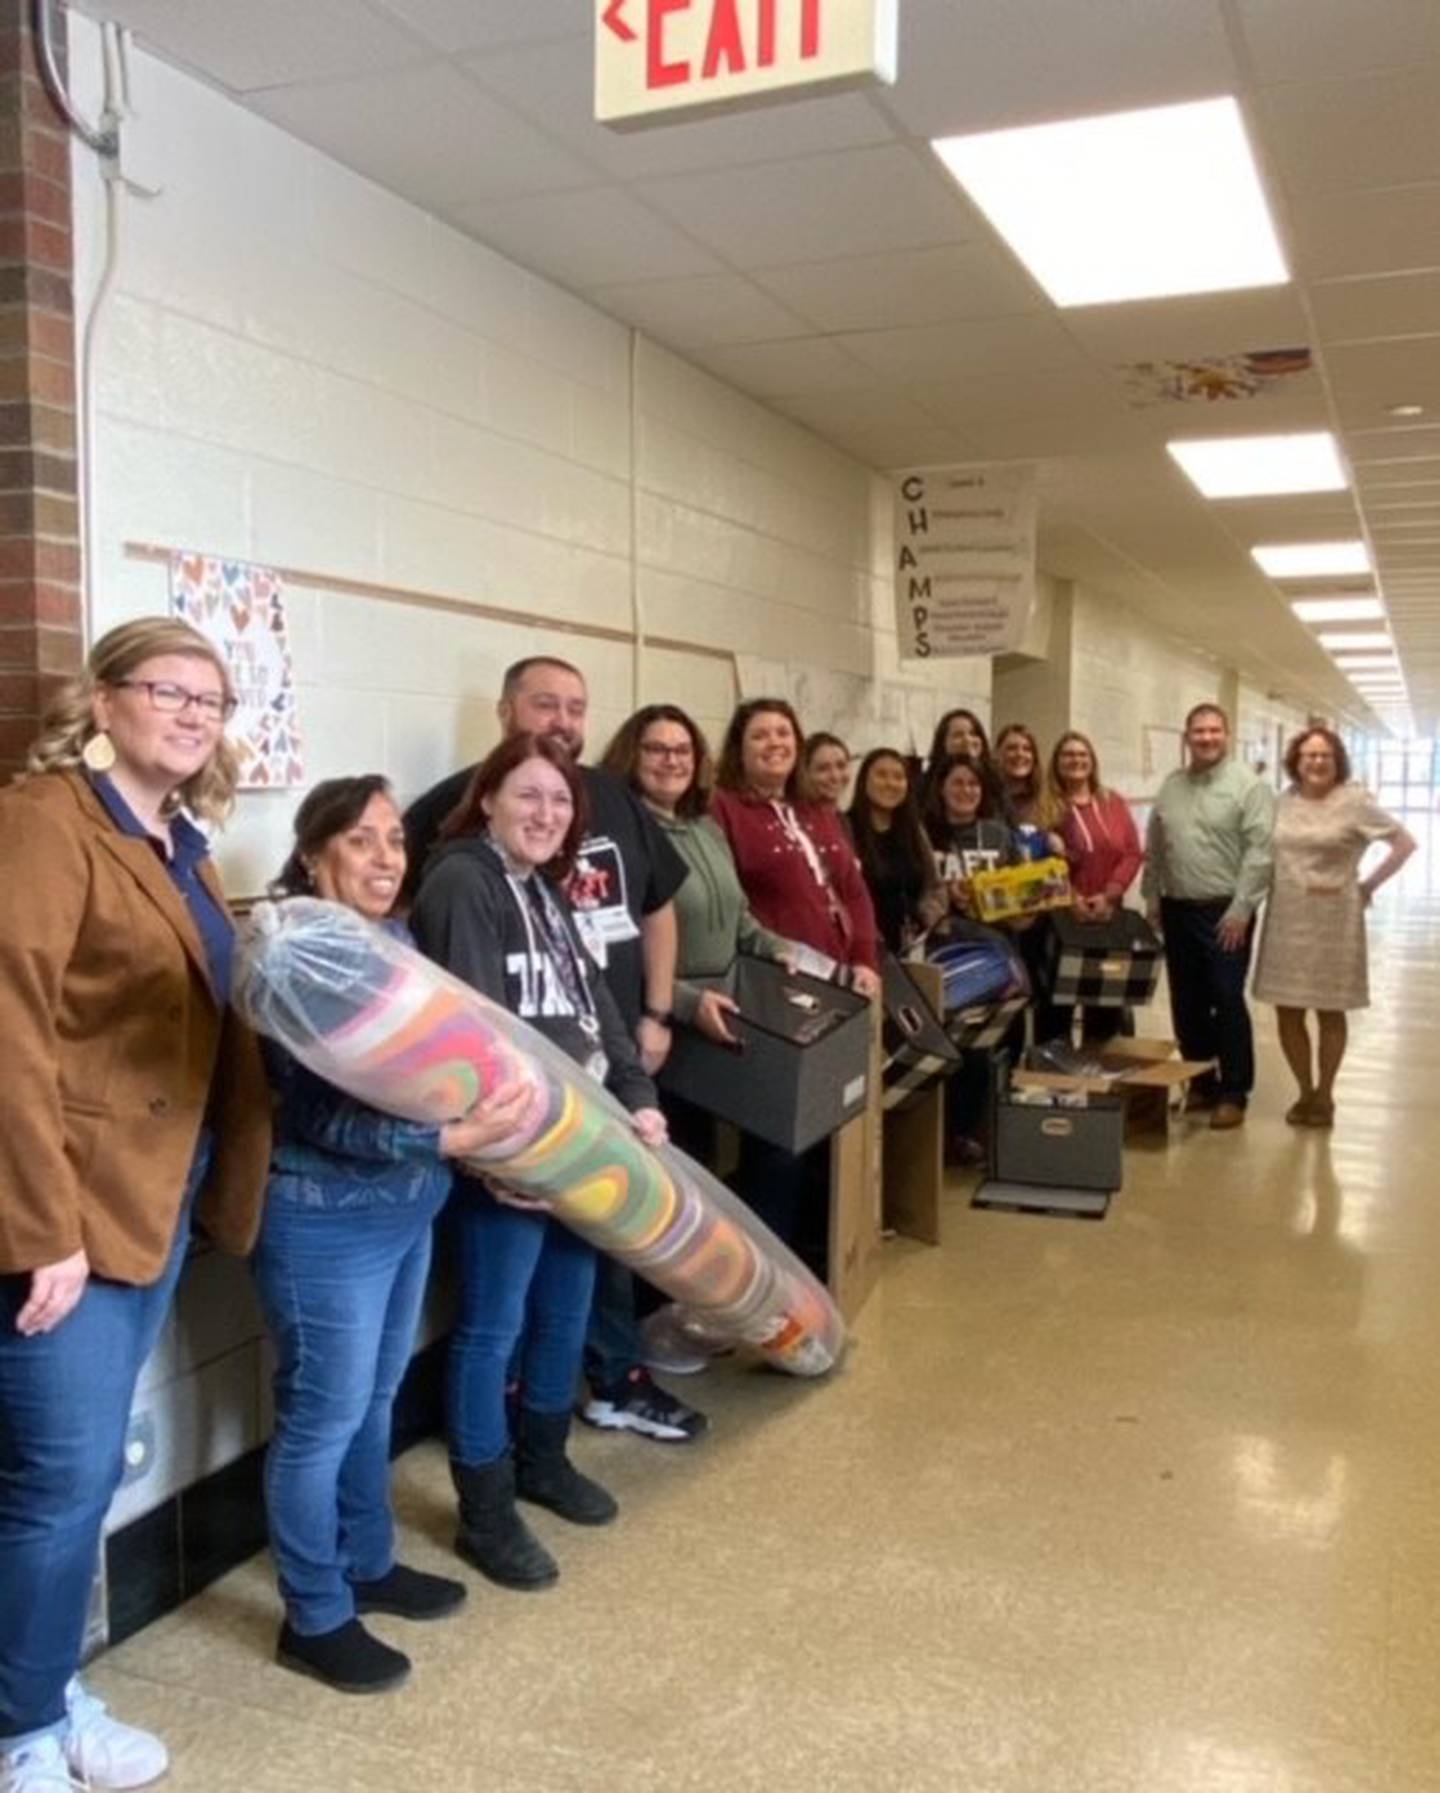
662, 755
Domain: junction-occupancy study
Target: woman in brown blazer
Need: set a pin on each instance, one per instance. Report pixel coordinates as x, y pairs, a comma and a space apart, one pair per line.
131, 1097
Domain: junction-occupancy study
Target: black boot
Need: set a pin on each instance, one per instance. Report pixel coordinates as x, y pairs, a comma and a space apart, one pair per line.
545, 1475
348, 1658
492, 1534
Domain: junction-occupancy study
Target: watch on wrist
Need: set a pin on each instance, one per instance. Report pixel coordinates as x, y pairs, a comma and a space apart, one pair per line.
661, 1017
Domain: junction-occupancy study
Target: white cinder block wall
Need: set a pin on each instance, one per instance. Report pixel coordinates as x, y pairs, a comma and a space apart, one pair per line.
294, 367
297, 368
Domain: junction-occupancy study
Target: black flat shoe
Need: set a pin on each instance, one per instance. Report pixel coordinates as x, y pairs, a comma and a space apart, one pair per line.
347, 1658
410, 1594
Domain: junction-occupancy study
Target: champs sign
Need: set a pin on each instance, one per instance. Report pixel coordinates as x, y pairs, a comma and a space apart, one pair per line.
964, 559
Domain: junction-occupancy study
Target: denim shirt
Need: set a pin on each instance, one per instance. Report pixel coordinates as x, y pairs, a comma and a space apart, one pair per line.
331, 1151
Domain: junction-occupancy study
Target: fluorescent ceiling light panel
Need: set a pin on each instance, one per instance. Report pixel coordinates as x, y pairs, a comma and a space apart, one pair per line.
1311, 560
1339, 610
1127, 205
1261, 466
1367, 663
1338, 640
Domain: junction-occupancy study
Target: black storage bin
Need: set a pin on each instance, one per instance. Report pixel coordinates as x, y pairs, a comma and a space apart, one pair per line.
802, 1068
918, 1050
1059, 1147
1111, 964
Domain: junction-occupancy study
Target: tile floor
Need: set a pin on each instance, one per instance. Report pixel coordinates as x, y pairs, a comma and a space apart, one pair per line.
1145, 1506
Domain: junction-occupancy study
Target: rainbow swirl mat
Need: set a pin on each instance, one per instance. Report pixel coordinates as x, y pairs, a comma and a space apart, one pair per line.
372, 1016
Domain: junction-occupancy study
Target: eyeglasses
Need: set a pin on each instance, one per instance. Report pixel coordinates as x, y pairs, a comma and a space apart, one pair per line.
662, 750
174, 700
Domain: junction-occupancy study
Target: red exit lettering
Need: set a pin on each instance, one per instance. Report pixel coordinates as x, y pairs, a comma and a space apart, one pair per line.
740, 34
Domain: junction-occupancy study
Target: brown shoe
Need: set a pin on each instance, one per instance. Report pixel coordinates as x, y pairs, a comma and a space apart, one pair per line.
1227, 1115
1300, 1114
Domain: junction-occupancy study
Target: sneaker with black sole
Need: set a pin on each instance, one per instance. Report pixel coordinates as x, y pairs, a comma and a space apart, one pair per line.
639, 1404
348, 1658
410, 1594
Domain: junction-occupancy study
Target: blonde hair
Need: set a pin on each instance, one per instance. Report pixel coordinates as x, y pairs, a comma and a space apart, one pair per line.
69, 721
1056, 784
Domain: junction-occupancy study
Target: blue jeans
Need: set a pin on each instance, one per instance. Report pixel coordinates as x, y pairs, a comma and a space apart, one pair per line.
64, 1406
525, 1288
341, 1290
612, 1337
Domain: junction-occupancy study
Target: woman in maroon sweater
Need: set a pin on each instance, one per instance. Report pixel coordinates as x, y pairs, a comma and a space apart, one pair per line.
1102, 846
1102, 843
800, 873
796, 864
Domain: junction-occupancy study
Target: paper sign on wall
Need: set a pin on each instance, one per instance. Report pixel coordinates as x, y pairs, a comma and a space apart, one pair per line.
241, 609
964, 559
658, 60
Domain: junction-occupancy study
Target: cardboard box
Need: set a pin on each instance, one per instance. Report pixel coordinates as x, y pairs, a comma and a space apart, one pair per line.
1059, 1147
855, 1199
1144, 1073
802, 1068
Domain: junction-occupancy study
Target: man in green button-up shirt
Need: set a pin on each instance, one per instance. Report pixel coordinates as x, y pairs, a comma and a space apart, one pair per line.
1207, 869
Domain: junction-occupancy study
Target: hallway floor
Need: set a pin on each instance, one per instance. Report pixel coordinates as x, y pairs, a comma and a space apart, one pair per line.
1147, 1506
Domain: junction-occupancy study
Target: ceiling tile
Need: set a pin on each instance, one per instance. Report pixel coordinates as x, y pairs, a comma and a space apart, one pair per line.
1192, 329
994, 63
455, 26
1391, 230
469, 147
1361, 310
915, 286
1369, 378
767, 369
854, 201
1366, 131
998, 397
553, 84
1295, 40
268, 43
599, 237
700, 310
978, 346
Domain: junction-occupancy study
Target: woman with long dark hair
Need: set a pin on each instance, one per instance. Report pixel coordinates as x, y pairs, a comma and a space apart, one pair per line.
894, 851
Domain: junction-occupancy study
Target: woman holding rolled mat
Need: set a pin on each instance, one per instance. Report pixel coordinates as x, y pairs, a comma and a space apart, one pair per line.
132, 1098
340, 1266
491, 910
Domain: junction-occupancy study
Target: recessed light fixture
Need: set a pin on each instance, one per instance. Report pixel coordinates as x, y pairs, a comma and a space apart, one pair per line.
1311, 560
1338, 640
1339, 610
1126, 205
1261, 466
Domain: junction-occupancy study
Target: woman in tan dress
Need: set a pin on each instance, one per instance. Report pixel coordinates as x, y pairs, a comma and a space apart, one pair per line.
1312, 955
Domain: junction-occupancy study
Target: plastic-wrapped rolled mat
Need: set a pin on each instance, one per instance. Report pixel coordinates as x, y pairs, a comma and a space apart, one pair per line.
372, 1016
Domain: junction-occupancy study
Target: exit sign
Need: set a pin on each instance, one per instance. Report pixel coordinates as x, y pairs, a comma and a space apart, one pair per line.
658, 60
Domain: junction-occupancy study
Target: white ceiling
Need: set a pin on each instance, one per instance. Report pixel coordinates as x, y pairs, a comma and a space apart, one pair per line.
816, 255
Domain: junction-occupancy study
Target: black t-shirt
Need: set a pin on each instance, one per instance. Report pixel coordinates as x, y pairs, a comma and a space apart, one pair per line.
626, 870
964, 848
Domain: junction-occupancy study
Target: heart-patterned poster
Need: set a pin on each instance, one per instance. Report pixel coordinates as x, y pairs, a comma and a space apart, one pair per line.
241, 608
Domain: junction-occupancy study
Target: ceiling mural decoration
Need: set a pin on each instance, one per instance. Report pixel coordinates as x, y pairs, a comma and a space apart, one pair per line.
1214, 379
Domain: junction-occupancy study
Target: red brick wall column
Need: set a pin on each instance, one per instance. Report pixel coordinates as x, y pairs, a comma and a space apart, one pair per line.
40, 595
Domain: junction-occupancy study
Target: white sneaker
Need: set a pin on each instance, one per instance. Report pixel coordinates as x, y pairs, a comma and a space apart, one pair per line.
37, 1767
102, 1752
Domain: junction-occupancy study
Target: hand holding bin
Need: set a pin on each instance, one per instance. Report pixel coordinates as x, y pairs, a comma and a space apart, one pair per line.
372, 1016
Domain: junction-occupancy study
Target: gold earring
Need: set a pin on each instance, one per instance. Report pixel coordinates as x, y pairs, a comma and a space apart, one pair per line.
98, 752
